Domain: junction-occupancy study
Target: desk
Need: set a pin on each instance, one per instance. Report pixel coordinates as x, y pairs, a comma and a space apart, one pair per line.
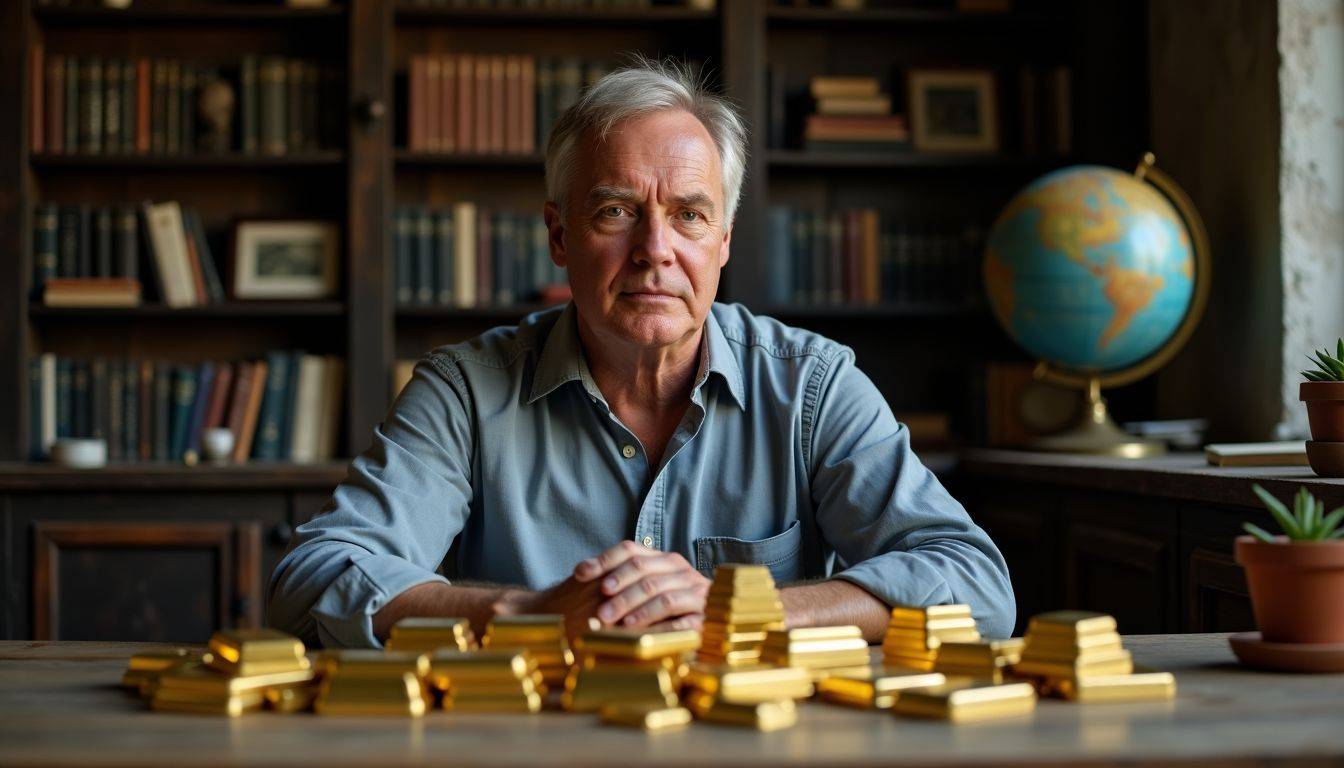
60, 705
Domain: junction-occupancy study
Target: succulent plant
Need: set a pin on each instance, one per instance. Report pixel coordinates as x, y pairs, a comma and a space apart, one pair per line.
1306, 522
1331, 367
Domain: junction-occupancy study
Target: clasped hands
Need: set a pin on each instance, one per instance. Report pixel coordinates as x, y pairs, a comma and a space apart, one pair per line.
626, 586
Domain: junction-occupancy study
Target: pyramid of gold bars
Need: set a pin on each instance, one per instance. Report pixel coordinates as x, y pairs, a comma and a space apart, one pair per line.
742, 606
1078, 655
914, 634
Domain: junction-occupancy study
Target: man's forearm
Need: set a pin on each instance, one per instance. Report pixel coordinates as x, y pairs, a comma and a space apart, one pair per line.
834, 602
477, 604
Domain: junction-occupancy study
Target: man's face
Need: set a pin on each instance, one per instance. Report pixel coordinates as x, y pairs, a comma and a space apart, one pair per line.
643, 237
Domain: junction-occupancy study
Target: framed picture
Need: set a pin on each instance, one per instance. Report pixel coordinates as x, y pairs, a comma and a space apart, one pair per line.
285, 259
953, 110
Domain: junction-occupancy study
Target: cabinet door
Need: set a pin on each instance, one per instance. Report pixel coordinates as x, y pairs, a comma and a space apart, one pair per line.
1218, 600
175, 581
1126, 573
1022, 523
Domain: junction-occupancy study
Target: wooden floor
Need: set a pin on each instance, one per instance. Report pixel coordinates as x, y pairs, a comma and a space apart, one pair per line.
60, 705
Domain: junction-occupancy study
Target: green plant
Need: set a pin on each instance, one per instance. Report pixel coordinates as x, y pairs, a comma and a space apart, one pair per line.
1307, 521
1331, 366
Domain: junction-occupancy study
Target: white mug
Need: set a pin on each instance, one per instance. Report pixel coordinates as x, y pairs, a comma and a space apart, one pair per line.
217, 444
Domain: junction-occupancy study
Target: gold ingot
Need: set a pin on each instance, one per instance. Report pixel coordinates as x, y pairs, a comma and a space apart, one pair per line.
1068, 649
286, 699
470, 702
1148, 686
917, 618
733, 658
649, 718
855, 658
750, 685
143, 670
402, 695
525, 628
910, 662
742, 617
965, 702
745, 603
1110, 663
449, 667
188, 703
203, 680
987, 651
372, 663
233, 645
588, 690
637, 644
878, 690
742, 572
426, 635
763, 716
1071, 623
250, 668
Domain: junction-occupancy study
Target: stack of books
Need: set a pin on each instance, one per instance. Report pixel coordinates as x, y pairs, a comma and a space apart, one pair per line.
366, 682
742, 606
628, 667
853, 113
285, 407
470, 256
488, 681
541, 635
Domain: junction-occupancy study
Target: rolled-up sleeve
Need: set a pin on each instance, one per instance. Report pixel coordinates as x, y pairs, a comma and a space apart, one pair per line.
896, 530
389, 524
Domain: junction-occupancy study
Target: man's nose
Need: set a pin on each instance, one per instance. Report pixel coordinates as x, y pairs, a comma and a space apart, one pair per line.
653, 242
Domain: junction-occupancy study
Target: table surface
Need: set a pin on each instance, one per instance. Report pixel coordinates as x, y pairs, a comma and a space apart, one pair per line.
60, 704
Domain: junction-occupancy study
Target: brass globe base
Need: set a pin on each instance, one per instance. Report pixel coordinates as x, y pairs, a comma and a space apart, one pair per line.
1096, 434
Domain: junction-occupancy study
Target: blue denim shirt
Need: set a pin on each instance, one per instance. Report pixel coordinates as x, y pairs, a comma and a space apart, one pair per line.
787, 456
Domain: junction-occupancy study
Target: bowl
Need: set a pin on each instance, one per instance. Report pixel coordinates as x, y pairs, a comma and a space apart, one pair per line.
80, 452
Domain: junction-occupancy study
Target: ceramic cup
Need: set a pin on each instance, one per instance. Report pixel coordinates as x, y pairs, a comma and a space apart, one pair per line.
80, 452
217, 443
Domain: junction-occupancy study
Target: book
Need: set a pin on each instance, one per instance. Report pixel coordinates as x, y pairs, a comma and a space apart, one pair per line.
271, 75
1288, 453
269, 434
464, 257
91, 107
37, 134
249, 105
130, 407
289, 405
417, 120
145, 374
329, 428
46, 218
127, 242
184, 385
163, 410
831, 86
168, 245
70, 108
54, 102
91, 292
403, 224
307, 412
855, 105
448, 104
205, 381
443, 253
431, 91
424, 261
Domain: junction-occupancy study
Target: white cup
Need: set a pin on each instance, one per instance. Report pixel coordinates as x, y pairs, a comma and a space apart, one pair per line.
80, 452
217, 444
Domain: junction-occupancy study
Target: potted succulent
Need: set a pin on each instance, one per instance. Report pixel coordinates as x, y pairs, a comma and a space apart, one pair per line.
1323, 392
1296, 579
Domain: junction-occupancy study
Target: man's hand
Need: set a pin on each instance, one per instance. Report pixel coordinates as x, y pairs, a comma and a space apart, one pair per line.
644, 587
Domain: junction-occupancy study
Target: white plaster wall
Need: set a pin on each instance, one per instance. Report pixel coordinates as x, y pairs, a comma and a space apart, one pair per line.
1311, 187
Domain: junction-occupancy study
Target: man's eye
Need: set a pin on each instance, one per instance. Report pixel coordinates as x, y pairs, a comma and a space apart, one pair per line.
693, 215
613, 211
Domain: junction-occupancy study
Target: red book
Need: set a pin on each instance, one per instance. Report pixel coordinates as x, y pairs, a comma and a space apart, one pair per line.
529, 97
466, 102
448, 105
219, 396
55, 104
415, 119
497, 96
36, 73
872, 280
853, 258
142, 104
482, 128
432, 92
197, 277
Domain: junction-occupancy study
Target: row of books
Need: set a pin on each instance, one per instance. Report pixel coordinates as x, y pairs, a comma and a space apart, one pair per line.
163, 239
863, 257
490, 104
852, 113
285, 407
122, 106
470, 256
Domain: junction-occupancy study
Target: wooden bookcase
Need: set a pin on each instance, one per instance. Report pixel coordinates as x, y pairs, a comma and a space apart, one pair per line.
922, 357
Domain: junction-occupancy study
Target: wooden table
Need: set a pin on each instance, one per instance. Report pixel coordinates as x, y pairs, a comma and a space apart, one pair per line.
60, 705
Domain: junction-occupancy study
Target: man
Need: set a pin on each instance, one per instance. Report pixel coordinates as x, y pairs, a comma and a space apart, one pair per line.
601, 459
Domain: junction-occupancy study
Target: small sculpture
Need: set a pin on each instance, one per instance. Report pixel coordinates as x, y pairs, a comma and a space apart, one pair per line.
214, 107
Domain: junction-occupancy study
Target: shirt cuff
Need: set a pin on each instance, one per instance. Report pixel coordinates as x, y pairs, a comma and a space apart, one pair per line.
344, 613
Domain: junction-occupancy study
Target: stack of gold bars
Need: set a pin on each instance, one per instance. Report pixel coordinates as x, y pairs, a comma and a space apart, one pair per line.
234, 675
874, 688
820, 650
426, 635
914, 634
506, 680
142, 673
1078, 655
541, 635
981, 660
757, 696
623, 666
366, 682
742, 606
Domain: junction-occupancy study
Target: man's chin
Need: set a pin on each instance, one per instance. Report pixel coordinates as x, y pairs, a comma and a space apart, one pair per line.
653, 329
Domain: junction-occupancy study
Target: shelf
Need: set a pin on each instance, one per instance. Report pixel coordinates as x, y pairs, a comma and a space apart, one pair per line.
880, 312
325, 158
232, 310
802, 159
577, 17
170, 476
472, 314
407, 158
831, 17
200, 13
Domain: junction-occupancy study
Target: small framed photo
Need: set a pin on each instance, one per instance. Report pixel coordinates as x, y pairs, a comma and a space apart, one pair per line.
285, 259
953, 110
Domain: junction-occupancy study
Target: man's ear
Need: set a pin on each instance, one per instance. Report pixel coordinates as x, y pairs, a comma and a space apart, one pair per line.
555, 233
723, 246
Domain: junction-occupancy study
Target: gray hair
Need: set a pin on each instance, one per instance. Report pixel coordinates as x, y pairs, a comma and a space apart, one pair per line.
643, 88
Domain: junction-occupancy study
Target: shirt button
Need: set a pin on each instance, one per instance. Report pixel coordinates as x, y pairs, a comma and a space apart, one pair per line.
629, 453
648, 541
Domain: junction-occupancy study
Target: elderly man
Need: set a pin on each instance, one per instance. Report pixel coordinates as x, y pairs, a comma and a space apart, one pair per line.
601, 459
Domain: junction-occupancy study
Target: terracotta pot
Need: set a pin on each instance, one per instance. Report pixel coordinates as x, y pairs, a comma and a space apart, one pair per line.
1297, 588
1325, 409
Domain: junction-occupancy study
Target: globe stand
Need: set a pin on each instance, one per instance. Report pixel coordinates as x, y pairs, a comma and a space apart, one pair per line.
1095, 433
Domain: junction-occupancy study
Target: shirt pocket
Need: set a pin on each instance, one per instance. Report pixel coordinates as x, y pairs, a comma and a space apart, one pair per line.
779, 553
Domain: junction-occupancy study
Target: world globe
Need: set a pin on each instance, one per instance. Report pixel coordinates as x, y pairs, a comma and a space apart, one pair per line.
1096, 273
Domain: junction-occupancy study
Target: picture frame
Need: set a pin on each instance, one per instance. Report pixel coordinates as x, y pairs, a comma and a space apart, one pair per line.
285, 259
953, 110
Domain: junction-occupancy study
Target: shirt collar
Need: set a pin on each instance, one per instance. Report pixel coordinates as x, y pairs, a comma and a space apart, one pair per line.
562, 360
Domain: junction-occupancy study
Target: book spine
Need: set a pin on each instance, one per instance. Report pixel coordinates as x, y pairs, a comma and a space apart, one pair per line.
498, 97
190, 83
290, 406
312, 121
219, 396
183, 396
464, 254
431, 91
130, 407
443, 253
159, 108
417, 78
112, 106
448, 104
503, 259
777, 251
402, 224
73, 77
527, 99
145, 448
35, 450
835, 263
205, 379
484, 270
214, 286
127, 242
817, 258
466, 102
513, 107
65, 397
198, 291
252, 409
37, 92
45, 222
163, 408
271, 88
84, 219
144, 105
128, 107
91, 116
116, 413
172, 142
481, 109
79, 398
293, 96
55, 101
269, 430
249, 105
424, 257
102, 228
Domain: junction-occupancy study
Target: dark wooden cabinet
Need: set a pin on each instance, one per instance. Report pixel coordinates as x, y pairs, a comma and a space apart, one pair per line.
1024, 525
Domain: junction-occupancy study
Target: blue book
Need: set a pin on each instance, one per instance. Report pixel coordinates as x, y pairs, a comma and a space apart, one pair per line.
779, 260
443, 255
502, 253
291, 406
183, 397
403, 223
205, 376
266, 443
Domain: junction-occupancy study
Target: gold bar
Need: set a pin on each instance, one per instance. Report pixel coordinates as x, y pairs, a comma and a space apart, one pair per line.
742, 572
233, 645
249, 668
879, 690
811, 634
1147, 686
1112, 663
649, 718
750, 685
205, 681
371, 663
777, 642
1071, 623
638, 644
747, 603
432, 626
341, 695
912, 615
764, 716
521, 703
288, 699
232, 706
963, 702
741, 617
594, 688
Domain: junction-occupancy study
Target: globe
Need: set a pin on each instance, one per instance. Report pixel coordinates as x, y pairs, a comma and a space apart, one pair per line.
1093, 272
